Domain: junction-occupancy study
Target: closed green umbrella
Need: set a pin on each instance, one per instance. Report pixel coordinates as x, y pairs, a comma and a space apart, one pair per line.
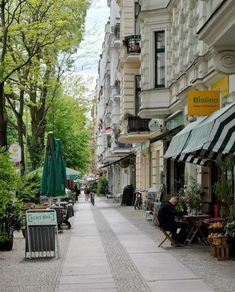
53, 180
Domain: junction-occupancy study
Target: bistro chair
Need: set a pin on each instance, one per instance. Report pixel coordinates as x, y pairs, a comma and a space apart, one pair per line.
166, 233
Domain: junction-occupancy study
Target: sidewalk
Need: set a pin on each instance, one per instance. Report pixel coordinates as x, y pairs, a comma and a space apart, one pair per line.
108, 253
112, 248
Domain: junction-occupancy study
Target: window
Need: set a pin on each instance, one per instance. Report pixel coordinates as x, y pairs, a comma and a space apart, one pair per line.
137, 93
160, 59
137, 24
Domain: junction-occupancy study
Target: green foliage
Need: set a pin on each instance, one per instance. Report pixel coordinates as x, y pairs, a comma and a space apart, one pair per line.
29, 188
224, 185
38, 39
3, 237
35, 153
193, 195
93, 185
9, 180
232, 213
102, 186
67, 120
224, 191
182, 201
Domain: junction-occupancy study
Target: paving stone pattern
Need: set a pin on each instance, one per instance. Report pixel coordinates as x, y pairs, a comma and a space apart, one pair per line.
126, 276
18, 274
43, 275
217, 274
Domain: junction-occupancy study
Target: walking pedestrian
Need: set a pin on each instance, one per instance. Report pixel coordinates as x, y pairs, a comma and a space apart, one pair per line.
87, 192
77, 192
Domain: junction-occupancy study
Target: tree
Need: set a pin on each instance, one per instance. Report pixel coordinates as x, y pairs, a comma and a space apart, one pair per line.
67, 119
34, 35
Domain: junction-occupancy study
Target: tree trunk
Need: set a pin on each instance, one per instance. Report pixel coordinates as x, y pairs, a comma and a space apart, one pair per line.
3, 120
21, 143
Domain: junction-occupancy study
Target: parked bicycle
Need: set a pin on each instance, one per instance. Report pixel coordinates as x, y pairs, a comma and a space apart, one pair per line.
138, 200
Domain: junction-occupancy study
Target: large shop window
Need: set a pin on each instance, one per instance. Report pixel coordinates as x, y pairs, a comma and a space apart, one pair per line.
159, 59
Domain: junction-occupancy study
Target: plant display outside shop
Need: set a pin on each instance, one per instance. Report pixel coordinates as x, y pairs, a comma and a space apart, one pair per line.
224, 187
190, 198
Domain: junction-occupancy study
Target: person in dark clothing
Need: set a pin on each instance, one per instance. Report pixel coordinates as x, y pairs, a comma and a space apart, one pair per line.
77, 192
127, 195
167, 220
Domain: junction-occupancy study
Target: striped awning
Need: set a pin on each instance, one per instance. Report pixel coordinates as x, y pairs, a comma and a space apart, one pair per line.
194, 159
214, 137
180, 140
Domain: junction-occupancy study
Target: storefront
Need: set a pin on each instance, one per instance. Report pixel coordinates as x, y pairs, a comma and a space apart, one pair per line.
205, 142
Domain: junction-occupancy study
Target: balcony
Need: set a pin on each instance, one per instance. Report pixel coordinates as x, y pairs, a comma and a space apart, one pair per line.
132, 43
136, 124
137, 131
155, 103
122, 146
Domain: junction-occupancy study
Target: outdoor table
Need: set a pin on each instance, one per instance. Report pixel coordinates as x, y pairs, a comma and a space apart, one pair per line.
59, 214
195, 222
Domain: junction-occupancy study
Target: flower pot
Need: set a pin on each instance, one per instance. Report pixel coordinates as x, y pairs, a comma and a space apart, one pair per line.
6, 245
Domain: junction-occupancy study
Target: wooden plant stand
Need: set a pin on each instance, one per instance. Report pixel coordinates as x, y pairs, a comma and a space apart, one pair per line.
221, 252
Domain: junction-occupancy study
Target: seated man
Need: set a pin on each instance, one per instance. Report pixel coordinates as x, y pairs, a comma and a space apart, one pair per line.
167, 220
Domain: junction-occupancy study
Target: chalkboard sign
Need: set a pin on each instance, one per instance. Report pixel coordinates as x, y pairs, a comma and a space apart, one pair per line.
151, 196
41, 238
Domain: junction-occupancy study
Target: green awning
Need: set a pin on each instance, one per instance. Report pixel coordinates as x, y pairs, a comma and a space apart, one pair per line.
180, 140
72, 173
214, 136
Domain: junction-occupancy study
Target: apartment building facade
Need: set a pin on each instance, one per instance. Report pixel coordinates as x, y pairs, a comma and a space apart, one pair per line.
175, 59
113, 157
167, 49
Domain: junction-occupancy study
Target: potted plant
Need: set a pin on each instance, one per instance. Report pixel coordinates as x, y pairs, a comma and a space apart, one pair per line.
8, 183
182, 200
193, 196
224, 186
6, 243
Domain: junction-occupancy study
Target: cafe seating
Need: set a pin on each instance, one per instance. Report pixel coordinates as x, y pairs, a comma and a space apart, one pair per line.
166, 233
195, 222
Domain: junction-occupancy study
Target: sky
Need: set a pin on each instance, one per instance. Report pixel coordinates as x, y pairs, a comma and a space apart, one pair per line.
88, 53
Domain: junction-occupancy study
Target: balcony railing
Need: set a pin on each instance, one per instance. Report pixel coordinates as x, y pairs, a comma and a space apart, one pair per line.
136, 124
120, 145
132, 43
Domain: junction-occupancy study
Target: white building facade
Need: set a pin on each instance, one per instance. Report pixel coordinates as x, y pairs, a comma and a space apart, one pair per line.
110, 152
166, 50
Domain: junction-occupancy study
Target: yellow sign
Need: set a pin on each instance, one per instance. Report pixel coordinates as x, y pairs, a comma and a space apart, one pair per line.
221, 85
203, 103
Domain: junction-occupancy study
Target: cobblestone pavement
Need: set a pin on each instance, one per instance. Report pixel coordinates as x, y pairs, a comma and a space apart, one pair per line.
125, 274
42, 275
217, 274
30, 275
